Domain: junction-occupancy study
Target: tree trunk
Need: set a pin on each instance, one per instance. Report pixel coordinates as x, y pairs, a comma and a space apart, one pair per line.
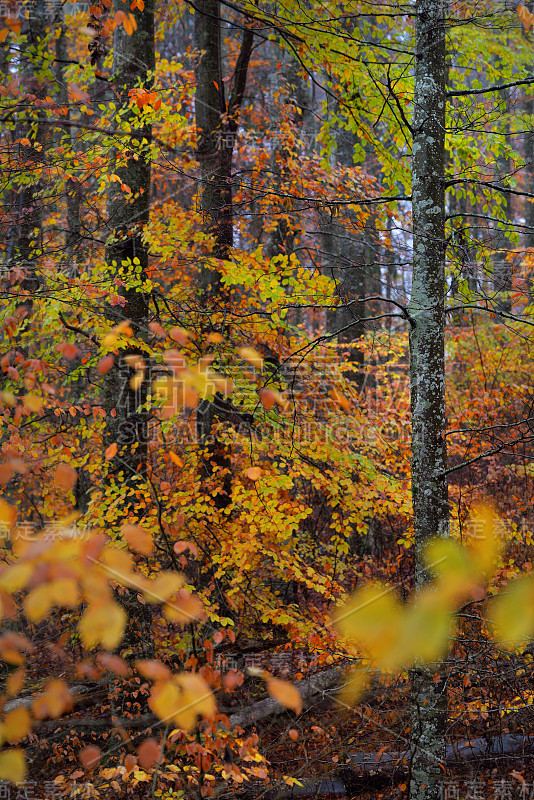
427, 369
216, 130
502, 267
126, 253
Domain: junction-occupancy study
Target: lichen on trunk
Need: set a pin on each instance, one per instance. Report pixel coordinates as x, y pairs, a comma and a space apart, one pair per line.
427, 370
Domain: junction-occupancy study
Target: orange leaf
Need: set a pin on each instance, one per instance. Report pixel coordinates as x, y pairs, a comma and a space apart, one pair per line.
254, 473
65, 476
114, 664
175, 459
90, 756
105, 364
152, 669
179, 335
111, 451
286, 694
138, 539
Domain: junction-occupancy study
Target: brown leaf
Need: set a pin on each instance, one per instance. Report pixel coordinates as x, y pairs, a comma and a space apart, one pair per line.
65, 476
90, 756
148, 753
114, 664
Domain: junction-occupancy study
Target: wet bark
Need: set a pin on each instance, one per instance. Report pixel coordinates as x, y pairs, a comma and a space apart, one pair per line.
427, 370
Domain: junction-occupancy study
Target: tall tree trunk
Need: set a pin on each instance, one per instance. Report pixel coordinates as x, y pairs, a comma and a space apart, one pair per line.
72, 188
25, 247
126, 253
427, 368
502, 267
216, 129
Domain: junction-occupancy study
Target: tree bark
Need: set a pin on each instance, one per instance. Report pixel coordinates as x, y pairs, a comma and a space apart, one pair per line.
126, 253
427, 369
216, 130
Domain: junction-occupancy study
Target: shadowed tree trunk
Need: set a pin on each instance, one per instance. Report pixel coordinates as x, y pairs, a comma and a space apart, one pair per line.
216, 129
502, 268
427, 369
127, 254
24, 246
72, 188
127, 259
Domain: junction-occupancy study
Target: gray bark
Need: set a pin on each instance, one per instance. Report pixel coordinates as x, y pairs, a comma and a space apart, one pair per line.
427, 369
502, 268
72, 188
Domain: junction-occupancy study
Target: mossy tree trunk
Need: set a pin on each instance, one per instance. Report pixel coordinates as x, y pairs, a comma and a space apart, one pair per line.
427, 370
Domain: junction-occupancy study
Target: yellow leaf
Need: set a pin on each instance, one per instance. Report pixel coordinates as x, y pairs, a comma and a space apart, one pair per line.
12, 766
512, 613
354, 687
164, 698
183, 698
8, 515
184, 608
252, 356
486, 544
17, 724
452, 565
137, 380
371, 618
38, 603
286, 694
64, 592
14, 578
164, 586
32, 402
15, 681
196, 700
422, 633
103, 624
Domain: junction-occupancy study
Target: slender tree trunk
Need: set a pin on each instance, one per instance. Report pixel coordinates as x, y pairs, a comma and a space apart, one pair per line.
25, 248
126, 253
72, 189
427, 369
529, 170
217, 128
502, 268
